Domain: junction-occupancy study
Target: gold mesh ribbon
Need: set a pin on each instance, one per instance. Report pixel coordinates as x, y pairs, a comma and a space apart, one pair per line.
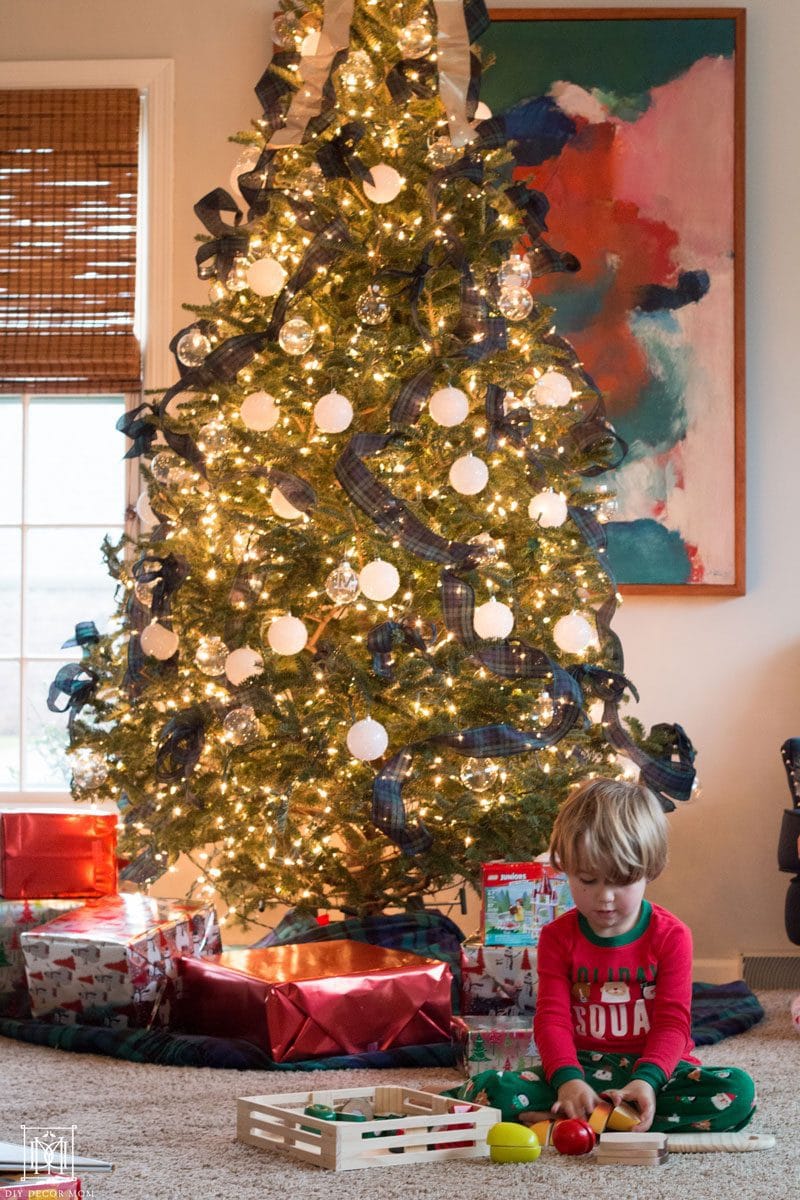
454, 67
315, 69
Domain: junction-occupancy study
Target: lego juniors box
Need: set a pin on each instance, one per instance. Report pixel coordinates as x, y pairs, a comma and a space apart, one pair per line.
518, 899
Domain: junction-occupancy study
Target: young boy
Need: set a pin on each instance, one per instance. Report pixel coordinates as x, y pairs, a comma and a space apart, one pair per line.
613, 1011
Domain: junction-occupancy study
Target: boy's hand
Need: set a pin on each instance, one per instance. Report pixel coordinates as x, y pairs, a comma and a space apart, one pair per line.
642, 1095
575, 1099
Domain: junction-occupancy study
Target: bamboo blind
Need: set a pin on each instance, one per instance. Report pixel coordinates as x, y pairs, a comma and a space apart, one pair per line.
68, 180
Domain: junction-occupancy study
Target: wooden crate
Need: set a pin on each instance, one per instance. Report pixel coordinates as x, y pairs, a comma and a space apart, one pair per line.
429, 1130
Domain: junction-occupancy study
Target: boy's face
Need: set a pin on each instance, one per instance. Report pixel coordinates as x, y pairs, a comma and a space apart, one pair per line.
610, 908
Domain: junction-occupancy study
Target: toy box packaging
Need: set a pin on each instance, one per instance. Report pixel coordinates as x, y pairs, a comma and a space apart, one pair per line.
493, 1043
518, 899
498, 980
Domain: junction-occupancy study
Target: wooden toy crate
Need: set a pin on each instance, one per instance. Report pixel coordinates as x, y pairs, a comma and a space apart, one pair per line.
426, 1128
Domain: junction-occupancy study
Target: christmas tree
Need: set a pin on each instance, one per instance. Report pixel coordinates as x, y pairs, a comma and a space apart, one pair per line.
364, 642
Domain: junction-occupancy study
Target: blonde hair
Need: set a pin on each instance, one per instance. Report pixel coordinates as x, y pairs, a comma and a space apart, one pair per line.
614, 827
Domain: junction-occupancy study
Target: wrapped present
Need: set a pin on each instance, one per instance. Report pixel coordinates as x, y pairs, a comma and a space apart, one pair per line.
493, 1043
16, 918
114, 961
498, 979
518, 899
39, 1187
67, 855
314, 999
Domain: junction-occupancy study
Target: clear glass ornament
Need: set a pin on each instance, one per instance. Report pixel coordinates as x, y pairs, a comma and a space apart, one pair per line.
515, 303
296, 336
217, 292
416, 39
237, 276
192, 348
357, 73
442, 152
89, 769
514, 272
308, 181
241, 725
286, 30
144, 592
478, 774
213, 438
372, 307
342, 584
210, 655
165, 467
490, 547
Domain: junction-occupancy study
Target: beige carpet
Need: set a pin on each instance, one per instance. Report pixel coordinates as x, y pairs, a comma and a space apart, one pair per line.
170, 1131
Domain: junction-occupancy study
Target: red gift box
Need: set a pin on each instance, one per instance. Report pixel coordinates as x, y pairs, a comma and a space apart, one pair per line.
318, 998
45, 856
40, 1187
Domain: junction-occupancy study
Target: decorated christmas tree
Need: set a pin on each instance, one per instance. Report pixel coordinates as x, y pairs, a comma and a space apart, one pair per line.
364, 641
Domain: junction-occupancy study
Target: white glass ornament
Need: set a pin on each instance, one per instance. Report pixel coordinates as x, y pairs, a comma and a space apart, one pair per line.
478, 774
296, 336
493, 619
265, 277
357, 73
281, 506
553, 390
287, 635
244, 164
515, 303
386, 184
259, 412
379, 580
243, 664
342, 584
367, 739
241, 725
514, 272
192, 348
469, 475
333, 412
482, 112
158, 641
548, 509
89, 769
415, 39
372, 307
144, 511
449, 406
210, 655
573, 633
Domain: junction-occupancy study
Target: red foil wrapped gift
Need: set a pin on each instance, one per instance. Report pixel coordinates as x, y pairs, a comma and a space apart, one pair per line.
314, 999
65, 856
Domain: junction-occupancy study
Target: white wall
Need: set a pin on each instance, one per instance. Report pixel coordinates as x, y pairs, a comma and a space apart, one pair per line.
728, 669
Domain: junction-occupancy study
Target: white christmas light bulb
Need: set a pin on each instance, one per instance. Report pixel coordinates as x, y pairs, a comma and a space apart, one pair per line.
493, 619
378, 580
449, 406
548, 509
333, 413
367, 739
260, 412
243, 664
553, 389
265, 277
469, 475
158, 641
573, 633
281, 506
287, 635
386, 184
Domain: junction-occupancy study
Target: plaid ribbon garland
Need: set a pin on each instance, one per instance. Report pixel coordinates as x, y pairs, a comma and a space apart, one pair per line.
168, 574
382, 639
668, 778
477, 18
297, 491
411, 77
415, 286
273, 88
76, 682
466, 167
594, 434
337, 158
180, 745
325, 247
86, 635
480, 333
515, 425
411, 397
217, 256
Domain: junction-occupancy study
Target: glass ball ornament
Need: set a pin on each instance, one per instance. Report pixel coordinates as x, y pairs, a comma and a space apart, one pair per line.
281, 506
144, 511
243, 664
236, 279
89, 769
372, 307
367, 739
213, 438
488, 544
415, 39
266, 276
217, 292
448, 406
514, 272
260, 412
296, 336
479, 774
285, 29
386, 184
515, 303
357, 73
240, 725
308, 181
342, 584
378, 580
469, 475
158, 641
553, 389
287, 635
493, 619
144, 593
573, 633
192, 348
165, 468
333, 413
442, 153
245, 163
548, 509
210, 656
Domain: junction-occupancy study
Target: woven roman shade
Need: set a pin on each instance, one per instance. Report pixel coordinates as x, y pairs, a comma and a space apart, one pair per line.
68, 185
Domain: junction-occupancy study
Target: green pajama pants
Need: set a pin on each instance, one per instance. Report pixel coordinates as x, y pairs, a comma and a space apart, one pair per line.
694, 1099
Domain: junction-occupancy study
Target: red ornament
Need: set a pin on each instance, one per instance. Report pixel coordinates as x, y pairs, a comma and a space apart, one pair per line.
573, 1137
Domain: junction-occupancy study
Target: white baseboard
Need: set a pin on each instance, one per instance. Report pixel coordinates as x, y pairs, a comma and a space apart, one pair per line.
717, 970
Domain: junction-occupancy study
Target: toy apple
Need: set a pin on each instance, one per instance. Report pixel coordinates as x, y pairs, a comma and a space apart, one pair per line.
573, 1137
510, 1142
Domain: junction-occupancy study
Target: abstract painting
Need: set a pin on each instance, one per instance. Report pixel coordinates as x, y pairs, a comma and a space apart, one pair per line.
631, 123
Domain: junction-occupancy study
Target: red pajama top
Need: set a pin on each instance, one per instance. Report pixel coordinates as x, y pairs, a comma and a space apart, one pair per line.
628, 995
